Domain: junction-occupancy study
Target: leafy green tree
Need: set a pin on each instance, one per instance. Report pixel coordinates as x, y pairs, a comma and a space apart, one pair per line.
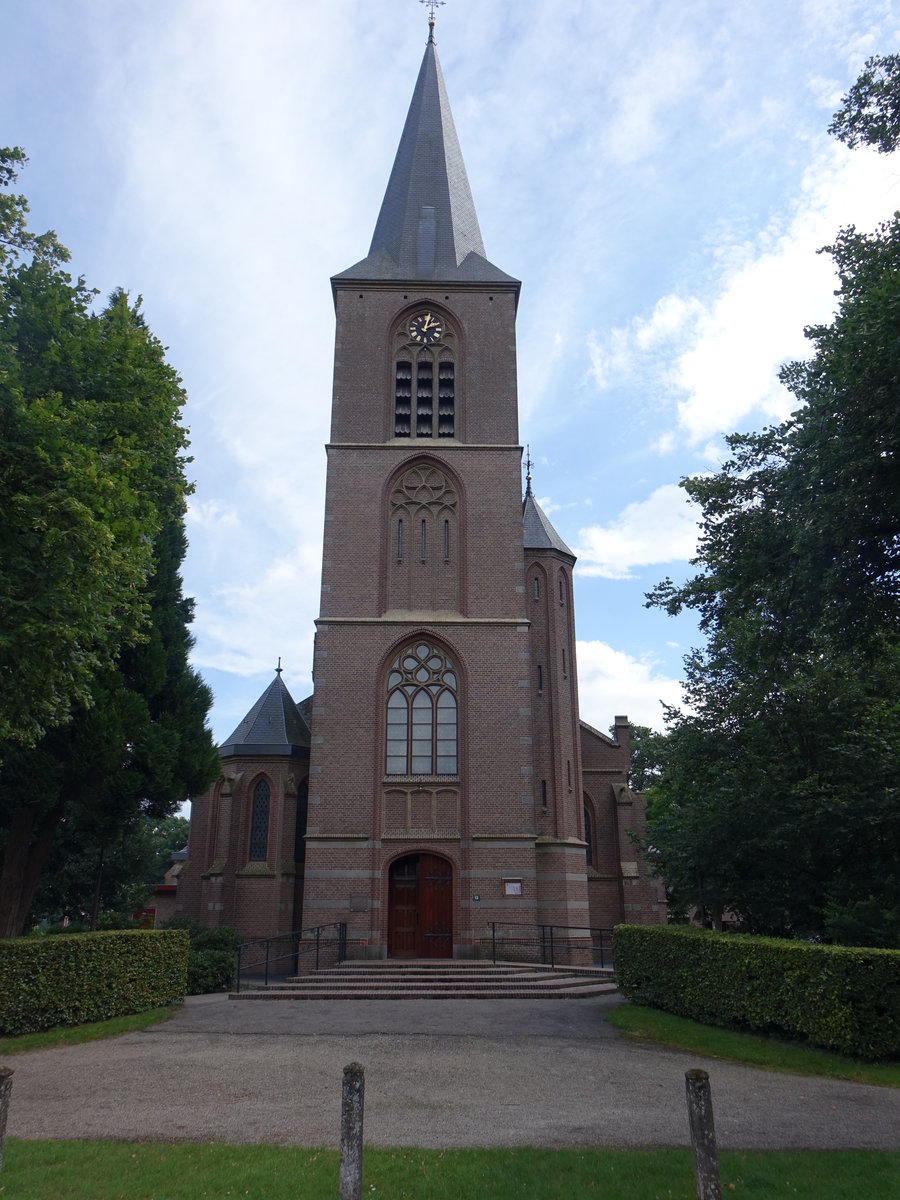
779, 799
100, 712
93, 871
78, 514
648, 756
870, 112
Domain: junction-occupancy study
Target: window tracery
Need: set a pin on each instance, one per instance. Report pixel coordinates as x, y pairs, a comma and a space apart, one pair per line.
422, 713
423, 520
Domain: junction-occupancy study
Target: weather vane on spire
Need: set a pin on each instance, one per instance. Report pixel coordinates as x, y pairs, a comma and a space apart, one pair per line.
528, 465
432, 5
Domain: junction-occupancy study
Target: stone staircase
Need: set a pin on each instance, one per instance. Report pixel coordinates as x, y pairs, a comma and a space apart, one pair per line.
437, 979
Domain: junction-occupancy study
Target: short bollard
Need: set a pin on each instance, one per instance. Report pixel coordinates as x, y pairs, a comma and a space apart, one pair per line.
703, 1135
5, 1089
352, 1091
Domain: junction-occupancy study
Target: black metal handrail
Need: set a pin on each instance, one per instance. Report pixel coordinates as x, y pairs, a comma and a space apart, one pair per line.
311, 947
550, 944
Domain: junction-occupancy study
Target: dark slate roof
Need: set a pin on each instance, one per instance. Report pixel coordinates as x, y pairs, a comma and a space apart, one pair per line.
537, 531
427, 227
273, 726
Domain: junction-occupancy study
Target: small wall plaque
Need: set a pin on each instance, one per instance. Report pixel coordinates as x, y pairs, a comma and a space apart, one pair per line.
512, 887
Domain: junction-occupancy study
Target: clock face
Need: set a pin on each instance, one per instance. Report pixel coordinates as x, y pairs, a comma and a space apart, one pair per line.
425, 328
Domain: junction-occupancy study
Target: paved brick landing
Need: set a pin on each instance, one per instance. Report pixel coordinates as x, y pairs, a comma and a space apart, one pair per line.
437, 980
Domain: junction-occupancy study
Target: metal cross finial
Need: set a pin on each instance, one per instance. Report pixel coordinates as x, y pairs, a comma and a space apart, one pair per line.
528, 465
432, 5
278, 668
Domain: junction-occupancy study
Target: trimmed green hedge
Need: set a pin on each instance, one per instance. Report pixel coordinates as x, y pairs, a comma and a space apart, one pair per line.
210, 971
212, 955
841, 997
50, 981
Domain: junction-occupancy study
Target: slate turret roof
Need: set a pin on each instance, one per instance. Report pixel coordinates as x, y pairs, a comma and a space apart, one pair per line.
273, 726
537, 531
427, 228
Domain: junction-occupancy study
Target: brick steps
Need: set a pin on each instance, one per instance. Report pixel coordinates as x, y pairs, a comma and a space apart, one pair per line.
444, 980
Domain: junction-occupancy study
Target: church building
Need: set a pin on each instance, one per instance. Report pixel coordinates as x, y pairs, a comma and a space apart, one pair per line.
439, 778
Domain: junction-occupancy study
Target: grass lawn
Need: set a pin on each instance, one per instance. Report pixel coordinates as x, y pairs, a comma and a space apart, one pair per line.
186, 1171
753, 1049
73, 1035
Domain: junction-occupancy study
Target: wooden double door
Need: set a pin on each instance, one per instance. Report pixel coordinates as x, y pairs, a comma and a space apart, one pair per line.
420, 907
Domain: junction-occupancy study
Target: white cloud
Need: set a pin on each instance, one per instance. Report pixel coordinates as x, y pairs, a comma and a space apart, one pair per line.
611, 682
661, 80
671, 317
247, 625
660, 529
212, 515
721, 358
757, 321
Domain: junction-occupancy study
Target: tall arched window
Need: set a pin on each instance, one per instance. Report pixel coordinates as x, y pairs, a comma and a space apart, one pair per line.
259, 822
588, 836
422, 713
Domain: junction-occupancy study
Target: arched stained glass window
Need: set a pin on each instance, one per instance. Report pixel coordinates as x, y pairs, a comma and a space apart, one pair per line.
588, 836
422, 724
259, 822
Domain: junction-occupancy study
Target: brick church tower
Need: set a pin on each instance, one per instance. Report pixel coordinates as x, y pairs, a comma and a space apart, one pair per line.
426, 818
450, 782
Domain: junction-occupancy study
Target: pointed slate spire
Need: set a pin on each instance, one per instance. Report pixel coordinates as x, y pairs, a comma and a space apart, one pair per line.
537, 531
273, 726
427, 227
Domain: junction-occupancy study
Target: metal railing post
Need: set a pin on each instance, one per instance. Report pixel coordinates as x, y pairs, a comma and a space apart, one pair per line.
318, 935
238, 974
266, 982
552, 959
494, 942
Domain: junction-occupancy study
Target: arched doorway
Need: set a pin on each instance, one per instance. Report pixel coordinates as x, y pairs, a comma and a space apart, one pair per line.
420, 907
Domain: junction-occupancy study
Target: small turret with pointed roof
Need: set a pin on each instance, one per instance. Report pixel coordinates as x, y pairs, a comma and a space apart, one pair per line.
427, 228
537, 531
274, 726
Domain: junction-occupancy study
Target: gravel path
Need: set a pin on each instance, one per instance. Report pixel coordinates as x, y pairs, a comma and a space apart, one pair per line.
438, 1073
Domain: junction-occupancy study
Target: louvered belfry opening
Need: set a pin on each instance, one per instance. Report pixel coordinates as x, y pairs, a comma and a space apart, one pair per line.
424, 398
446, 399
403, 398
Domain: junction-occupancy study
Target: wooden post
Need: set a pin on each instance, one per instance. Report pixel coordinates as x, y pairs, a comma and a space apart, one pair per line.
703, 1135
5, 1089
352, 1092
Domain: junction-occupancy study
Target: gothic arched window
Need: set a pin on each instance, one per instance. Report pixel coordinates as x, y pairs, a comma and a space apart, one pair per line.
259, 822
588, 836
422, 722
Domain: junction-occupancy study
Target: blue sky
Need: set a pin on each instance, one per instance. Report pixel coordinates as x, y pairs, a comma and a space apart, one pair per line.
656, 173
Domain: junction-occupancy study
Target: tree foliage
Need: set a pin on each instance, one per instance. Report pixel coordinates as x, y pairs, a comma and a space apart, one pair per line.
648, 756
870, 112
78, 478
111, 870
100, 711
779, 801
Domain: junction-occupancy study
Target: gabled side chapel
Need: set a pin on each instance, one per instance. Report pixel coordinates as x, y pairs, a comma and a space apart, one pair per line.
439, 778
